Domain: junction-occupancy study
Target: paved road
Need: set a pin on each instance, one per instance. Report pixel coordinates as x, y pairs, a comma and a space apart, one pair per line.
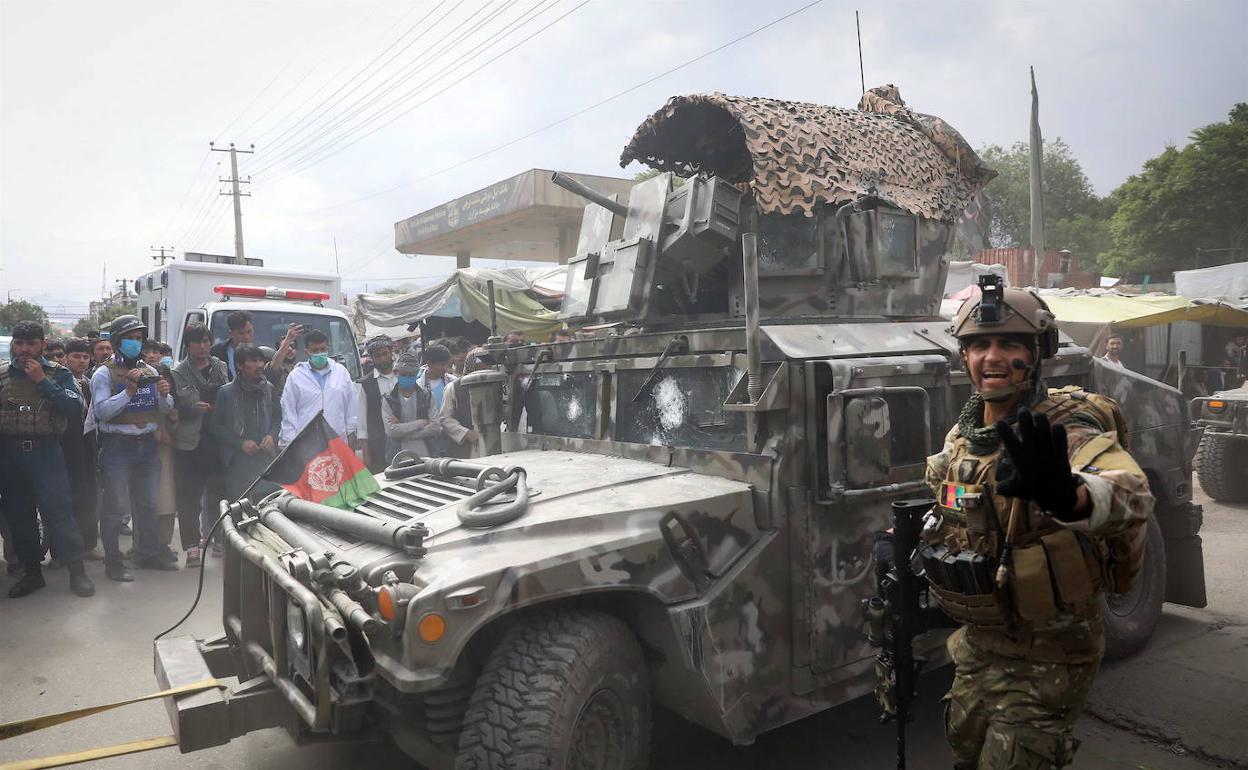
1181, 704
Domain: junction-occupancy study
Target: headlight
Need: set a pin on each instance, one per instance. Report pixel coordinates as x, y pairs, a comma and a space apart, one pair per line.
296, 626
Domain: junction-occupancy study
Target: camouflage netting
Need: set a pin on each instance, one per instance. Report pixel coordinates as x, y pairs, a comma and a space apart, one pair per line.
795, 155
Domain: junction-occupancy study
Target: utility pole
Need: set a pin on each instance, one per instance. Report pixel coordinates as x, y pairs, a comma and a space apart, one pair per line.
162, 256
238, 196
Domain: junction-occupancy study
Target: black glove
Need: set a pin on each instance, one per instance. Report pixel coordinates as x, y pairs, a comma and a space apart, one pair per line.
1039, 467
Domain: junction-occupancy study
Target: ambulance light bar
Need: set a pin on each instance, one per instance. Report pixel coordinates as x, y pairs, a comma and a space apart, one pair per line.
272, 292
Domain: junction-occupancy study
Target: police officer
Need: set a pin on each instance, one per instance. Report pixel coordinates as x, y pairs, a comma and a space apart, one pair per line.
1034, 488
37, 398
129, 397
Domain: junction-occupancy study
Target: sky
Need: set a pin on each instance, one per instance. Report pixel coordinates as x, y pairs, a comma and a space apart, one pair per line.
107, 109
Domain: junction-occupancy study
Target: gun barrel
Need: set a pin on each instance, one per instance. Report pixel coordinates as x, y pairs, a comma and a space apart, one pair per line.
588, 193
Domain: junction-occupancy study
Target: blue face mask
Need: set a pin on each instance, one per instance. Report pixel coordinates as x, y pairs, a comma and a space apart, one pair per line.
130, 348
167, 361
407, 382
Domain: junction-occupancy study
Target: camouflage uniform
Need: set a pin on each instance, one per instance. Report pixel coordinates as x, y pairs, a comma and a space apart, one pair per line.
1018, 689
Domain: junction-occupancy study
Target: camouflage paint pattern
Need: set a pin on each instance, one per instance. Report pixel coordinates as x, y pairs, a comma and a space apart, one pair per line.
768, 628
1011, 714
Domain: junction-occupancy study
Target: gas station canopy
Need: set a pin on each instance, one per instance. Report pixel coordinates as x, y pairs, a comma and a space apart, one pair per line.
526, 217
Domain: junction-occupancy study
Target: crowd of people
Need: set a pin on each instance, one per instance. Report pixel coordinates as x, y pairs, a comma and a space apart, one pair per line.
107, 435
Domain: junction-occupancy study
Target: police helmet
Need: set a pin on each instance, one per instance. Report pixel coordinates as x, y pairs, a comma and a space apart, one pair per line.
126, 323
1000, 310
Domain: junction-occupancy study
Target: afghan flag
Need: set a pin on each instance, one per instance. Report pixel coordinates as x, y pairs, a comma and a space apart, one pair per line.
319, 466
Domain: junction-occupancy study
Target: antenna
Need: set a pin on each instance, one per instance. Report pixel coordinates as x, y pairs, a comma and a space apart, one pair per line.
861, 76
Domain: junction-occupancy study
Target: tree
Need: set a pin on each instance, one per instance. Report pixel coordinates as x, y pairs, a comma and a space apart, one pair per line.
1074, 217
83, 325
18, 310
1185, 202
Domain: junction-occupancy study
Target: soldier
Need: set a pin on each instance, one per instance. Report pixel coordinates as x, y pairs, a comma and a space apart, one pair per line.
1038, 483
37, 399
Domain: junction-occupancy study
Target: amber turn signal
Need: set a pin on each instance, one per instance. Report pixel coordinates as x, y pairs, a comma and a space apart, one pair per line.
1216, 406
432, 627
385, 603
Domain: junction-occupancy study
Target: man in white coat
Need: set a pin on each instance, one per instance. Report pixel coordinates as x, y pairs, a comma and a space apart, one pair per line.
319, 384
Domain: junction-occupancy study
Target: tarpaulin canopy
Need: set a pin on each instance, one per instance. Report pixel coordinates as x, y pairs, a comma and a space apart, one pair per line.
1134, 312
464, 295
1224, 281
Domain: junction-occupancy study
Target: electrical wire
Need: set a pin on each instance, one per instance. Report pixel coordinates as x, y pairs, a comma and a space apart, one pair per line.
572, 115
418, 63
281, 139
404, 74
206, 199
456, 82
181, 204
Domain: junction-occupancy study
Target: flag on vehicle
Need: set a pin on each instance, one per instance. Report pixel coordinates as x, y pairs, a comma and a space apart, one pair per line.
319, 466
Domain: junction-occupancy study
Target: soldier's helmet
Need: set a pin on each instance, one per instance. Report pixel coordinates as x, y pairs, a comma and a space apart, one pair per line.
999, 310
126, 323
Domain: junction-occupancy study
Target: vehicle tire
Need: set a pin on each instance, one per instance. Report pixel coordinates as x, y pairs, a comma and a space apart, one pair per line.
1130, 618
564, 690
1219, 476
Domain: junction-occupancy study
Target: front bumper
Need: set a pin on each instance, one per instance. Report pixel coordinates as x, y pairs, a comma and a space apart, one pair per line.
280, 684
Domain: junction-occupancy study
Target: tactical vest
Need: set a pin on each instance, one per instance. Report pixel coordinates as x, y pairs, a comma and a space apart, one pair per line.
25, 412
144, 406
1056, 573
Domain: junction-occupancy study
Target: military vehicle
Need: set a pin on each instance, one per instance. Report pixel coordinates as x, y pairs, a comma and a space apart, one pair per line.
1222, 457
680, 511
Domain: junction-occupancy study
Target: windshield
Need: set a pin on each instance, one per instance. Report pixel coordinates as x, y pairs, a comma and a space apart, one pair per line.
271, 328
679, 408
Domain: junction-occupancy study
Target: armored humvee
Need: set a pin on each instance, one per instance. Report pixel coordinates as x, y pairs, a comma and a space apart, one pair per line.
678, 511
1223, 452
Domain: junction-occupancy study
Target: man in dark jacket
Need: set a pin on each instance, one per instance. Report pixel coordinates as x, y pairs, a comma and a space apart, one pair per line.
196, 381
374, 387
244, 424
242, 332
79, 447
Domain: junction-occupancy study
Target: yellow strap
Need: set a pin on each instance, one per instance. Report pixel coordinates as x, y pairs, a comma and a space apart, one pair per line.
14, 729
73, 758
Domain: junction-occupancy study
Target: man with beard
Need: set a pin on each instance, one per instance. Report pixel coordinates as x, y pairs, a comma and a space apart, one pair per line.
373, 387
197, 379
1035, 488
37, 398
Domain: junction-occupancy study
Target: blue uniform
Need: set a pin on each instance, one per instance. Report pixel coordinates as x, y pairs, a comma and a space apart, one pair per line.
32, 468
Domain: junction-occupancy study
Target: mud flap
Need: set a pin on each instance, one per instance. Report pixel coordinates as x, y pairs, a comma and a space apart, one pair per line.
1185, 576
1185, 556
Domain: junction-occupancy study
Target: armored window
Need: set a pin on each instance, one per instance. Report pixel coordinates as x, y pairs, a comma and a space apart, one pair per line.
897, 244
681, 407
787, 243
561, 403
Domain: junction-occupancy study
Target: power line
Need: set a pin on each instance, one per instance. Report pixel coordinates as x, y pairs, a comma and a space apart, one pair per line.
282, 138
404, 73
497, 37
290, 91
206, 201
335, 121
446, 88
177, 212
573, 115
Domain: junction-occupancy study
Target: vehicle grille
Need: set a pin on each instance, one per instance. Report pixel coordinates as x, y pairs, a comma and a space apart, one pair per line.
414, 497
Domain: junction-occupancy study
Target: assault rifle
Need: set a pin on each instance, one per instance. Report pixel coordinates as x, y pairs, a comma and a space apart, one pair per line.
896, 615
